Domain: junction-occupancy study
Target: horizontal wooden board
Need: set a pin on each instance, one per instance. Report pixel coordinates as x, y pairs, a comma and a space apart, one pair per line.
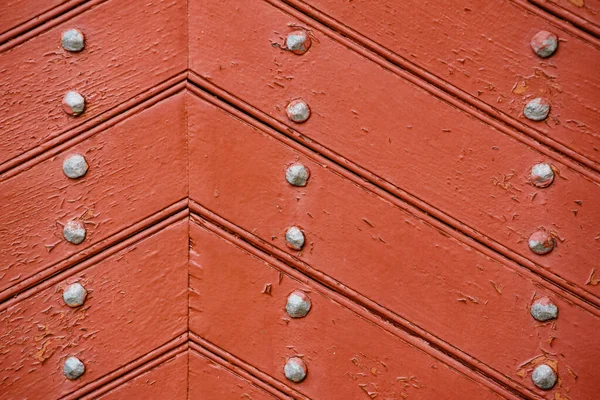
135, 170
16, 12
588, 10
137, 301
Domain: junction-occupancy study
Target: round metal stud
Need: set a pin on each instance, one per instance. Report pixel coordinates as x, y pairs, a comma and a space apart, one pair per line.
298, 42
543, 310
541, 242
297, 175
295, 369
73, 40
294, 238
73, 368
298, 304
544, 44
75, 166
74, 232
544, 377
537, 109
75, 295
542, 175
73, 103
298, 111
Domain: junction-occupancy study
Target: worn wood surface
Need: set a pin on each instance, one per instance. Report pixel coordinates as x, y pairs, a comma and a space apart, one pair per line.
17, 12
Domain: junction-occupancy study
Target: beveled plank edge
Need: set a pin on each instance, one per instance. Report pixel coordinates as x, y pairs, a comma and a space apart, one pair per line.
564, 14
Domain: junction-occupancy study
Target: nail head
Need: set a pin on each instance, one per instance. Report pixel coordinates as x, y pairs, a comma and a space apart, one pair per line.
295, 369
75, 295
73, 103
542, 175
298, 42
544, 377
297, 175
541, 242
294, 238
544, 310
298, 304
544, 44
74, 232
537, 109
75, 166
73, 40
73, 368
298, 111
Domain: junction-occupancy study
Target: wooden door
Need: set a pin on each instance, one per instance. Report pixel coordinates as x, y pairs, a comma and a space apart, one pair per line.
296, 199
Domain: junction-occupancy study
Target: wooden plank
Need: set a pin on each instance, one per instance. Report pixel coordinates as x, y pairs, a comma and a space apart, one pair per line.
582, 13
16, 12
134, 171
137, 301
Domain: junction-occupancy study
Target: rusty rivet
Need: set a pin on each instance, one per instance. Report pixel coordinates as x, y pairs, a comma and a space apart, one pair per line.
537, 109
73, 103
73, 368
295, 369
298, 304
541, 242
542, 175
74, 232
298, 42
297, 175
544, 44
294, 238
544, 377
298, 111
75, 295
75, 166
543, 310
73, 40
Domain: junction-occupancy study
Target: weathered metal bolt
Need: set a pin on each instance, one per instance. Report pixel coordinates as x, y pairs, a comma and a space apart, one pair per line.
73, 40
298, 42
541, 242
544, 44
73, 103
75, 166
544, 377
297, 175
73, 368
537, 109
295, 369
542, 175
74, 232
298, 304
543, 310
294, 238
75, 295
298, 111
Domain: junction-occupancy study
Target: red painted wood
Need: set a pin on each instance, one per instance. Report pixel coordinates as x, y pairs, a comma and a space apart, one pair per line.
135, 170
438, 283
588, 10
130, 297
121, 59
16, 12
376, 119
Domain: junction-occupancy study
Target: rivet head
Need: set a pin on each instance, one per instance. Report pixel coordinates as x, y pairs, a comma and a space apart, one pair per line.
295, 369
537, 109
73, 368
74, 232
73, 103
298, 42
298, 111
297, 175
73, 40
544, 377
75, 295
541, 242
75, 166
294, 238
543, 310
544, 44
298, 304
542, 175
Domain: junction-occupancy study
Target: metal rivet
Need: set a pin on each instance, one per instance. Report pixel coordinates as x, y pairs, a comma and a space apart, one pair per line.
298, 111
298, 42
544, 43
297, 175
75, 295
537, 109
295, 369
294, 238
75, 166
73, 103
73, 368
298, 304
73, 40
543, 310
542, 175
74, 232
544, 377
541, 242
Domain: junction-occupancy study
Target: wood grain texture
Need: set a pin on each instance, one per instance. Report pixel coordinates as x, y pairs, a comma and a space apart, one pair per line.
136, 168
130, 297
